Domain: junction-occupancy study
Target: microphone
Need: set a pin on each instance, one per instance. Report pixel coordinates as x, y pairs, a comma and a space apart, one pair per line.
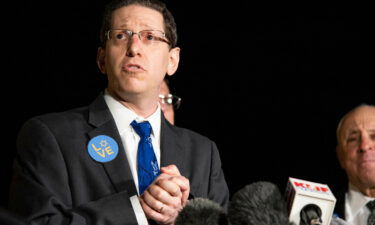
201, 211
309, 203
311, 214
259, 203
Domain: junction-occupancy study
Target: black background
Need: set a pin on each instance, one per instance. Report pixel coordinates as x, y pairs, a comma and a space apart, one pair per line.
268, 83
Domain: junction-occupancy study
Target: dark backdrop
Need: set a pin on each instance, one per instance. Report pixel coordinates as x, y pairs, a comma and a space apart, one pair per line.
268, 83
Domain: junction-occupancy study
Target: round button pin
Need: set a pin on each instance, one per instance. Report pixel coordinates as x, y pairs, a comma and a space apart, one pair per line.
102, 148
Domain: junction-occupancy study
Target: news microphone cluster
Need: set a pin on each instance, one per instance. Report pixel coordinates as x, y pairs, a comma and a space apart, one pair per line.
261, 203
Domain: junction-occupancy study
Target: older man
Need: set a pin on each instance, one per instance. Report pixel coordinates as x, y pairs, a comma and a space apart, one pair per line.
356, 154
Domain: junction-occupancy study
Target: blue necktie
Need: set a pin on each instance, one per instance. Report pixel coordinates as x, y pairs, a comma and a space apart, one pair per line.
148, 168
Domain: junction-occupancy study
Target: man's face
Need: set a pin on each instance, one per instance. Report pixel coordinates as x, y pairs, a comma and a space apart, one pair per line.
356, 149
135, 69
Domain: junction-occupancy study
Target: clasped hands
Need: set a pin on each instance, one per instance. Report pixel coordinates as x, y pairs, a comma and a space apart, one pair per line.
166, 196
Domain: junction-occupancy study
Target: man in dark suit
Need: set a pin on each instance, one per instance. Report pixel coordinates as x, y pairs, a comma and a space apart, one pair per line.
82, 166
356, 154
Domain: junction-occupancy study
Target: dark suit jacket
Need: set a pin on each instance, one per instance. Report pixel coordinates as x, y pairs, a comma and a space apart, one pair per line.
340, 203
57, 182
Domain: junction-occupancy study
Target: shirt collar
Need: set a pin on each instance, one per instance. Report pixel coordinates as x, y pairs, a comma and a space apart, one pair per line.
356, 199
123, 116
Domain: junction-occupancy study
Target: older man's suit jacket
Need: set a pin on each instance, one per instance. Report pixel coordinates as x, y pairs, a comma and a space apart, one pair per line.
339, 210
56, 181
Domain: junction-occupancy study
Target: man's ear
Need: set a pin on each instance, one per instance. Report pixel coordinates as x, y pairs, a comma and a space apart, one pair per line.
100, 60
174, 59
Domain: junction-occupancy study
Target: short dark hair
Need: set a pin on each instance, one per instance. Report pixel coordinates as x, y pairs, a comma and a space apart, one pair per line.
169, 23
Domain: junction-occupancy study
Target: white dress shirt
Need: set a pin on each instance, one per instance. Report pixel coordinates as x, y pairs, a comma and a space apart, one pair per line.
123, 118
356, 211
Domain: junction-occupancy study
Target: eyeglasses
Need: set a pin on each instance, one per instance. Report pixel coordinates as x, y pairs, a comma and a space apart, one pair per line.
170, 101
147, 37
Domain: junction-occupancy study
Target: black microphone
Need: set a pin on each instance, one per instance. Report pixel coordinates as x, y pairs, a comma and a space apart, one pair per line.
259, 203
201, 211
311, 214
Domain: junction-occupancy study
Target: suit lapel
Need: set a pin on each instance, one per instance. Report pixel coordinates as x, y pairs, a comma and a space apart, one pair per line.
118, 169
171, 147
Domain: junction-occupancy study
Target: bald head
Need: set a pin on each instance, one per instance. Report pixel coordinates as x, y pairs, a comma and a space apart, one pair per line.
367, 110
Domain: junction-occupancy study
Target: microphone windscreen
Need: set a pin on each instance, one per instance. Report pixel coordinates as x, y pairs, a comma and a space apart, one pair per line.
10, 218
259, 203
258, 217
259, 195
200, 211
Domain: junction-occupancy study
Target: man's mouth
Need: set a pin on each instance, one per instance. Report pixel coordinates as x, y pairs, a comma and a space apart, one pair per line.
133, 68
368, 158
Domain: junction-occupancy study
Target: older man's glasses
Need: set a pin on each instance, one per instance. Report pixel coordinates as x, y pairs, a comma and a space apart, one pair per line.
147, 37
170, 101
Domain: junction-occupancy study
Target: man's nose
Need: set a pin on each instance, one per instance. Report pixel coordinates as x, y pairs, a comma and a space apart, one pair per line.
133, 46
367, 144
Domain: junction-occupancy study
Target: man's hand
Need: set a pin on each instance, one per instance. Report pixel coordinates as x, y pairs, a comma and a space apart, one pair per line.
185, 188
166, 196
